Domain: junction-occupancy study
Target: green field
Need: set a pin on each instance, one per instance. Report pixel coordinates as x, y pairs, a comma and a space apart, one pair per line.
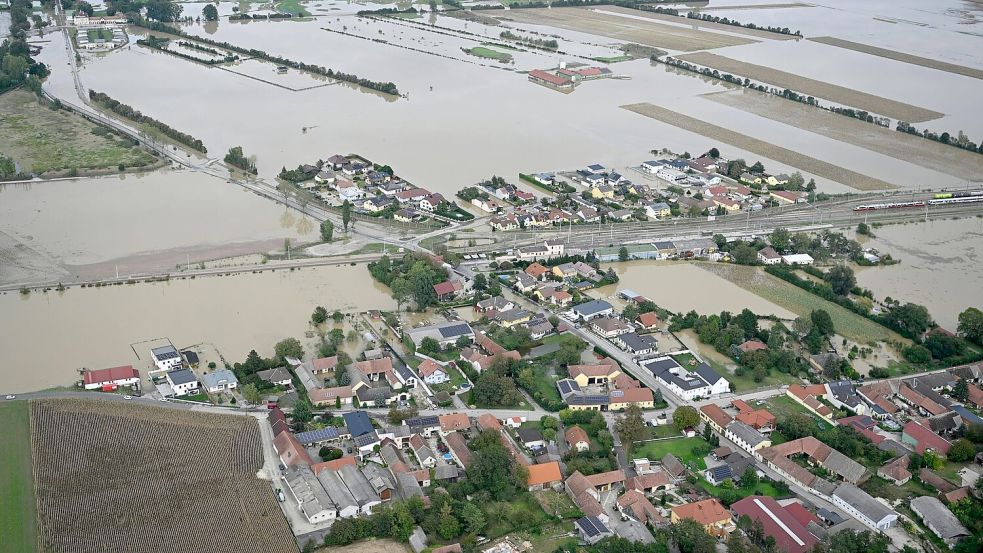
18, 516
96, 34
802, 303
292, 7
682, 448
42, 140
488, 53
613, 59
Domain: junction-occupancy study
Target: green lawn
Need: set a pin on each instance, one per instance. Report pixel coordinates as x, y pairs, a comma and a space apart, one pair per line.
664, 431
878, 487
613, 59
504, 517
96, 34
457, 379
762, 488
746, 381
18, 516
782, 406
545, 384
292, 7
682, 448
488, 53
685, 359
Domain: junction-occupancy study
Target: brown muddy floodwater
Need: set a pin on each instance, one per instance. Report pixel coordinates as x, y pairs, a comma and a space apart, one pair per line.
940, 266
138, 223
47, 336
681, 287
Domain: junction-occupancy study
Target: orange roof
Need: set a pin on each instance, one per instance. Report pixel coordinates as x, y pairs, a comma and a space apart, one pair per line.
592, 371
544, 474
575, 435
606, 478
706, 512
802, 392
713, 412
335, 464
648, 320
536, 270
428, 367
454, 421
631, 395
488, 421
375, 366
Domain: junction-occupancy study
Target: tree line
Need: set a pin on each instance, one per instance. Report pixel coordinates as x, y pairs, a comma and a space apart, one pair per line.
411, 277
134, 115
549, 44
236, 158
160, 44
16, 65
385, 87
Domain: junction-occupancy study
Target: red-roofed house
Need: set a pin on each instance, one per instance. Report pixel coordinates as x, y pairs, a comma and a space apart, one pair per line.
789, 534
716, 417
445, 290
545, 78
923, 439
453, 422
648, 321
125, 375
290, 450
543, 476
432, 373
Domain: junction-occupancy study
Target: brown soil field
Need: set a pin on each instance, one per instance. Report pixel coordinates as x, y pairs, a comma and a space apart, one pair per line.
916, 150
649, 33
122, 477
900, 56
764, 149
812, 87
709, 25
371, 546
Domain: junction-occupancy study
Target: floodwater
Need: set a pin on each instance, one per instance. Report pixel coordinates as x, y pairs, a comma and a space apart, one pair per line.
138, 223
48, 336
940, 266
680, 287
463, 118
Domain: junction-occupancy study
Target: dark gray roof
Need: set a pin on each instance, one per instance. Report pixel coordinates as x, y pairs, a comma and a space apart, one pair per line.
337, 490
706, 373
417, 424
358, 423
366, 439
634, 342
322, 435
370, 395
529, 435
181, 376
721, 472
567, 387
592, 307
938, 518
831, 516
862, 501
662, 365
165, 352
845, 393
446, 472
588, 400
591, 526
455, 330
278, 374
935, 380
746, 433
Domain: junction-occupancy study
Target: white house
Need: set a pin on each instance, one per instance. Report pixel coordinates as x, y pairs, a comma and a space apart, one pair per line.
797, 259
182, 381
671, 175
166, 358
769, 256
861, 506
220, 381
651, 167
432, 373
116, 376
703, 382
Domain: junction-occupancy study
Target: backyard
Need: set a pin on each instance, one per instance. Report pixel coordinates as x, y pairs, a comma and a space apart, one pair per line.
782, 406
99, 34
681, 448
17, 504
456, 380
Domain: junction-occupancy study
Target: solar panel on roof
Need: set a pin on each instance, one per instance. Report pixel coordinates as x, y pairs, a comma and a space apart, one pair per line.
321, 435
455, 330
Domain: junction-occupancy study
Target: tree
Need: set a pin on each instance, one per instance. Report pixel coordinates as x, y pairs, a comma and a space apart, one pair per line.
714, 153
822, 322
780, 239
480, 282
402, 522
943, 346
288, 347
163, 11
400, 290
961, 450
917, 354
84, 7
910, 318
210, 12
685, 416
757, 167
492, 469
329, 453
971, 325
864, 229
841, 279
250, 393
622, 254
689, 536
346, 214
302, 413
448, 526
961, 390
320, 314
744, 254
327, 227
473, 517
429, 346
337, 317
657, 398
749, 479
630, 426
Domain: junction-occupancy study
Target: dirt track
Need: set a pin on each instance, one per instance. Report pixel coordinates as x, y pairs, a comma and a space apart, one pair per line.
645, 31
919, 151
900, 56
764, 149
812, 87
757, 33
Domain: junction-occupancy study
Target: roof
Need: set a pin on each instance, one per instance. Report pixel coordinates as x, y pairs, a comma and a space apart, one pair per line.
592, 307
528, 435
165, 352
672, 465
453, 421
716, 414
592, 371
637, 342
631, 395
375, 366
455, 441
308, 490
99, 376
925, 438
213, 379
429, 367
639, 506
545, 473
709, 375
181, 376
320, 435
358, 423
325, 363
278, 374
752, 345
591, 527
938, 518
606, 478
575, 435
789, 534
334, 464
896, 469
290, 450
747, 434
706, 512
648, 320
549, 77
863, 502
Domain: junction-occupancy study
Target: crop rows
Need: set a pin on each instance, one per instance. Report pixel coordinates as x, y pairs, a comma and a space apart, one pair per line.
129, 478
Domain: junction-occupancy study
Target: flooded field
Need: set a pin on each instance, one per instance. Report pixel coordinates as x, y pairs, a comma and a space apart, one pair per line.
940, 266
87, 228
48, 336
680, 287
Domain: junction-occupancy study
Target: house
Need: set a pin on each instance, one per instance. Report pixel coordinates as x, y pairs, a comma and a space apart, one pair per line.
939, 519
326, 397
290, 450
504, 222
277, 377
670, 175
746, 437
648, 321
564, 271
634, 504
817, 453
537, 271
432, 202
421, 449
702, 382
672, 466
358, 423
714, 416
530, 437
544, 476
592, 530
348, 190
658, 210
592, 310
453, 422
751, 345
704, 164
808, 397
709, 513
759, 419
768, 256
785, 197
586, 375
310, 496
432, 373
636, 344
728, 204
425, 426
609, 327
512, 317
778, 522
182, 381
444, 333
750, 178
375, 204
863, 507
220, 381
458, 449
109, 379
923, 439
548, 79
577, 438
619, 400
896, 470
446, 290
166, 358
797, 259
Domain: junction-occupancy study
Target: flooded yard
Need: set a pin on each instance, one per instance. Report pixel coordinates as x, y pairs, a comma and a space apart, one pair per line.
48, 336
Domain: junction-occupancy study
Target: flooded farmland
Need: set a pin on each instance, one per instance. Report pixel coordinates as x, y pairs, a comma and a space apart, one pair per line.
940, 266
48, 336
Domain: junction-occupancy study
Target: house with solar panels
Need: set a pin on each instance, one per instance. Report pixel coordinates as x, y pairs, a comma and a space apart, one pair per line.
592, 530
166, 358
444, 333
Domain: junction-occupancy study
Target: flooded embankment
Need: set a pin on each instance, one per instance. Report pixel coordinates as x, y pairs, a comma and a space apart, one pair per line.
48, 336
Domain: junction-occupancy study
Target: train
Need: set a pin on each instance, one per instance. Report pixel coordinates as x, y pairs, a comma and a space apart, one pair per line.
954, 198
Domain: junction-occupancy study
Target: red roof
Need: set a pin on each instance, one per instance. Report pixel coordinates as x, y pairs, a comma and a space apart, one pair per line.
752, 345
544, 474
790, 535
549, 77
648, 320
110, 375
444, 288
925, 438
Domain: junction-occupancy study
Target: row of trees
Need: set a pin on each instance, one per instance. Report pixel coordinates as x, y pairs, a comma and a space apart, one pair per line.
411, 277
160, 44
16, 66
236, 158
547, 43
726, 21
134, 115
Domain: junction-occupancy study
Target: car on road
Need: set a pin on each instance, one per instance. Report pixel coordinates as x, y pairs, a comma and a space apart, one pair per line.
280, 496
11, 396
127, 397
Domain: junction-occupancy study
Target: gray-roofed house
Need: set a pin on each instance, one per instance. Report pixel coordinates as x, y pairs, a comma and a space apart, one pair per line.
311, 497
443, 333
358, 423
939, 519
408, 486
362, 490
530, 437
636, 344
278, 376
592, 310
672, 466
843, 394
336, 489
220, 380
860, 505
182, 381
747, 438
446, 473
592, 530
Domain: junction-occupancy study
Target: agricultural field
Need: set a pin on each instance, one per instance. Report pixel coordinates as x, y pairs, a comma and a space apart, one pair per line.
764, 149
488, 53
643, 30
695, 23
682, 448
155, 476
886, 141
18, 516
900, 56
811, 87
846, 322
369, 546
54, 142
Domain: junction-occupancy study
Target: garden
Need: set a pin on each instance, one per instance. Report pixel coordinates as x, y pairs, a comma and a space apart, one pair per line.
689, 451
